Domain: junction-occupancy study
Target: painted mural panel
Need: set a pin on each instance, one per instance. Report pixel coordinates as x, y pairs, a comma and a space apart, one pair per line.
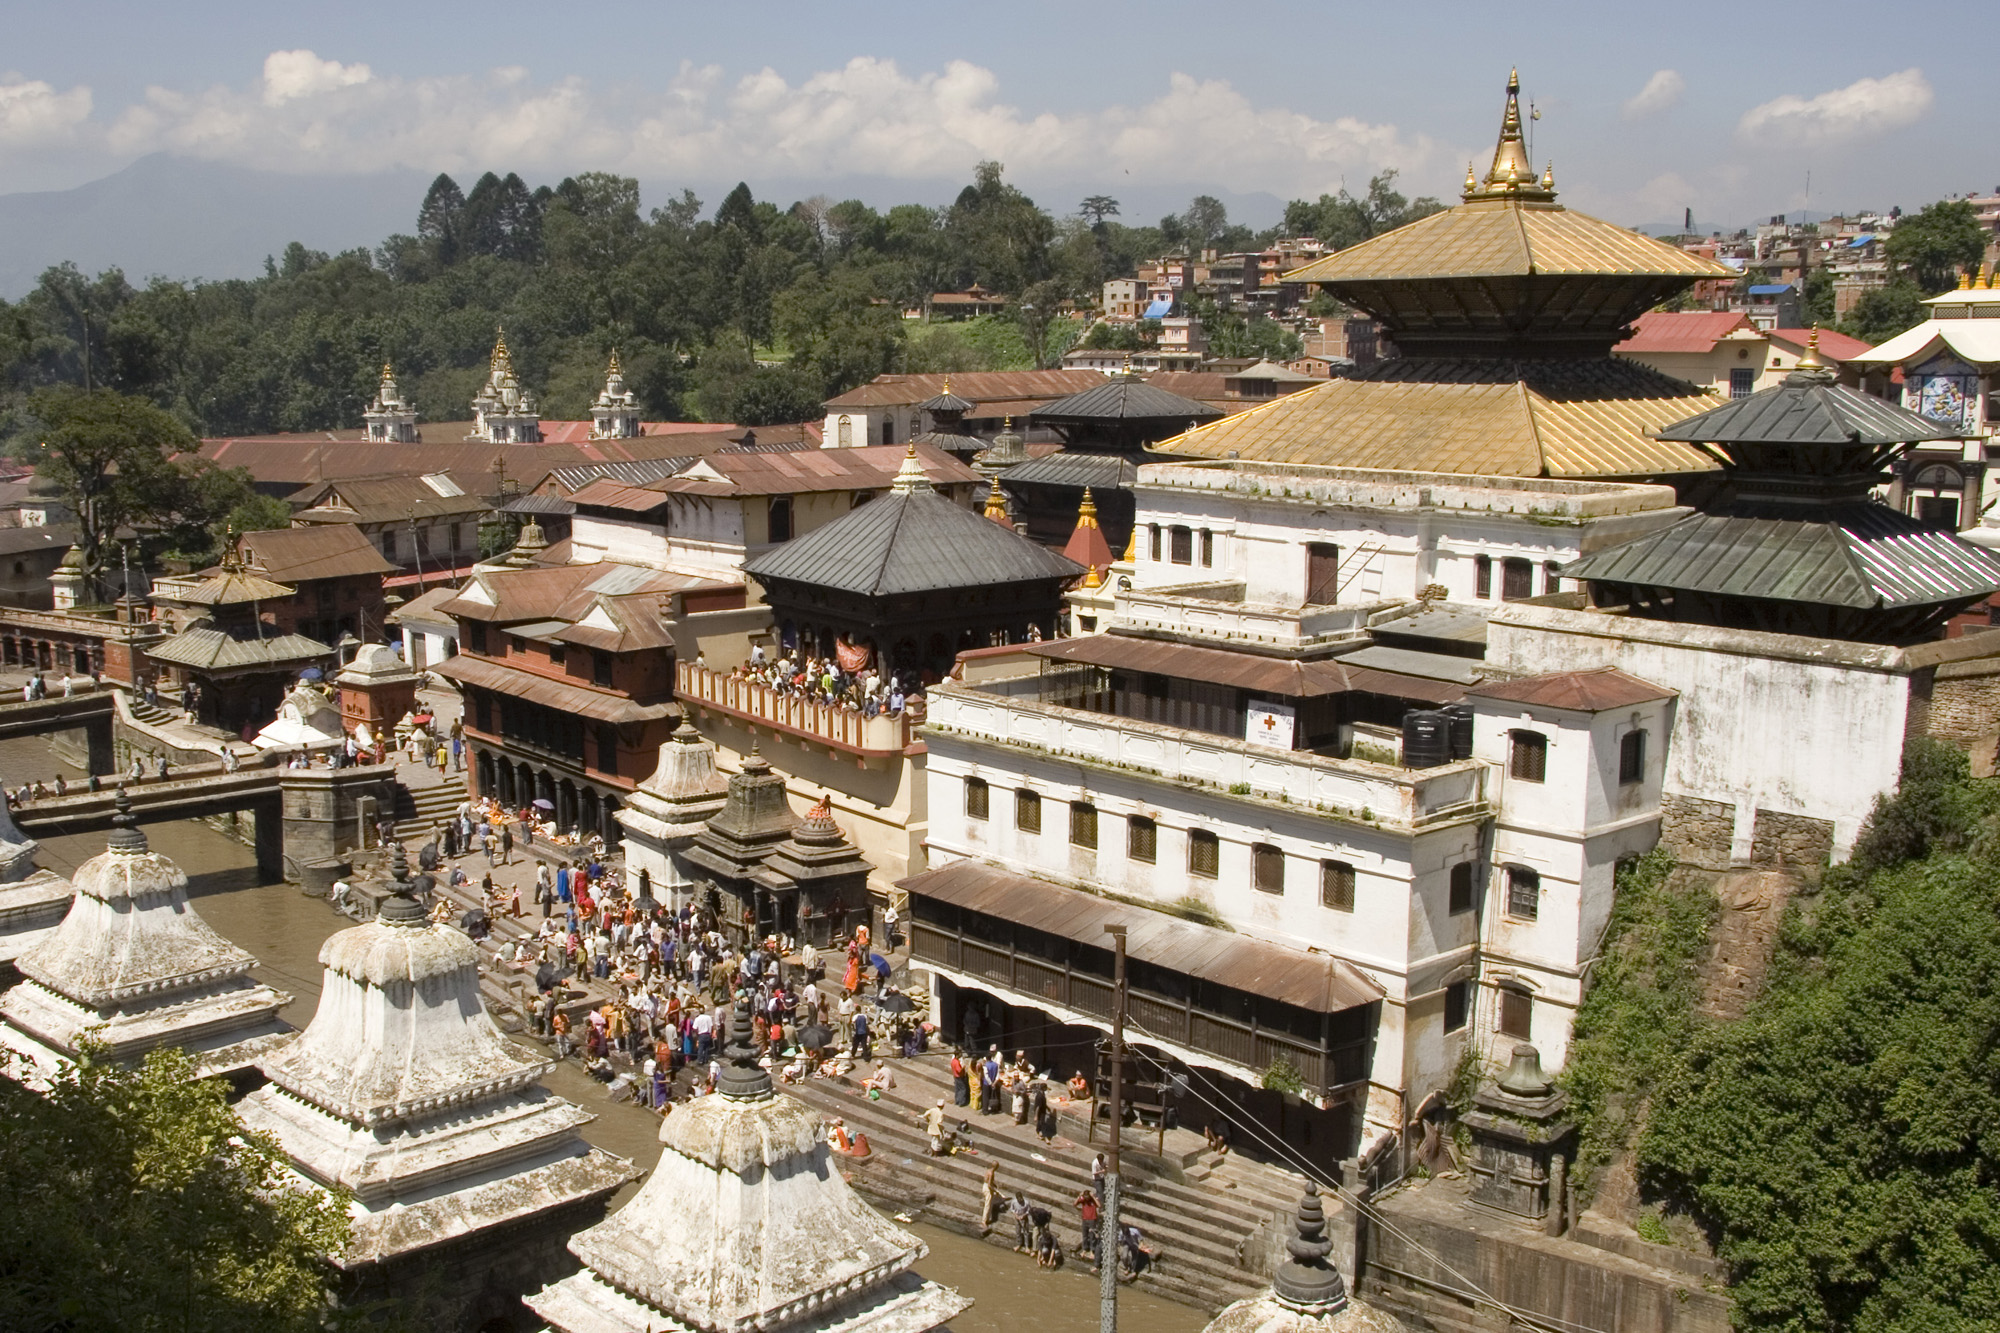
1946, 389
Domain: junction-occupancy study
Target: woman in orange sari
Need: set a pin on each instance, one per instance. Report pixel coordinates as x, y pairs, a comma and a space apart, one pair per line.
852, 981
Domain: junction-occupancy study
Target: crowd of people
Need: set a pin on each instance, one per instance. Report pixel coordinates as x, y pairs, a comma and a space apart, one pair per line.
821, 680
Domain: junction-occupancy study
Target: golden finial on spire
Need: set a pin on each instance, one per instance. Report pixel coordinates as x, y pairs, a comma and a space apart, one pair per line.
1131, 556
1471, 182
1964, 279
614, 368
1511, 173
946, 390
1091, 578
502, 358
1549, 177
388, 375
1086, 513
1810, 359
996, 504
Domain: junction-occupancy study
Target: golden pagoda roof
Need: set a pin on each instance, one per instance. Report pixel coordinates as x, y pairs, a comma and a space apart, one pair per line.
1576, 419
1510, 224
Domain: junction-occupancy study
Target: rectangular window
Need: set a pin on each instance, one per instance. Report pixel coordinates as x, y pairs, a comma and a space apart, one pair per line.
475, 635
1269, 865
1207, 549
1482, 577
1524, 893
1336, 885
1454, 1005
1632, 757
1517, 579
1204, 854
388, 543
1529, 758
556, 654
1142, 839
607, 748
1742, 382
1183, 545
779, 527
975, 798
1517, 1013
1153, 536
1028, 811
1082, 824
1462, 888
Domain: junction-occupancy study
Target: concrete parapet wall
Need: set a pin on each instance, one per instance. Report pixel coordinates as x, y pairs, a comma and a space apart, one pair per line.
1446, 1265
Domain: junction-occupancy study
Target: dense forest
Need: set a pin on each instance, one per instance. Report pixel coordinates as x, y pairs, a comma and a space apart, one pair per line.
753, 314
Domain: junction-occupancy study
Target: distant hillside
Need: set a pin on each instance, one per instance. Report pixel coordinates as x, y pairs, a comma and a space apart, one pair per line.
190, 219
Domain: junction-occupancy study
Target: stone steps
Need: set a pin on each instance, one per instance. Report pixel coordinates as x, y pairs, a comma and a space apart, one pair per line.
1208, 1242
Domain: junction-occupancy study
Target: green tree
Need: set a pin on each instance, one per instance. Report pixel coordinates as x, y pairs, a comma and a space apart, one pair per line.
1842, 1141
1817, 298
1002, 236
1097, 207
1933, 246
135, 1199
1205, 220
1884, 312
1341, 220
108, 455
442, 218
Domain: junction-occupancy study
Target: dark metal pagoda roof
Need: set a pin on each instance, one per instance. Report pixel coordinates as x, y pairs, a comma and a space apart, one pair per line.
1862, 556
1810, 407
1123, 398
947, 402
910, 540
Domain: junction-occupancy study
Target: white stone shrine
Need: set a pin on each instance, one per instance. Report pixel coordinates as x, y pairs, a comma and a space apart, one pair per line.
666, 811
403, 1091
746, 1223
133, 967
32, 902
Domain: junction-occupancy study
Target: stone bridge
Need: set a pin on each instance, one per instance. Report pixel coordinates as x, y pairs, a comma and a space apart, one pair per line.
88, 715
301, 815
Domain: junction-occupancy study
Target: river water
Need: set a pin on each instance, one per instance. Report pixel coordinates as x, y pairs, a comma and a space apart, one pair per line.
285, 929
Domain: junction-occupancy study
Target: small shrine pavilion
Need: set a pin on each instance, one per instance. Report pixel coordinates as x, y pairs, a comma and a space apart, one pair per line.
908, 580
466, 1175
746, 1223
133, 967
666, 812
1796, 544
33, 901
240, 662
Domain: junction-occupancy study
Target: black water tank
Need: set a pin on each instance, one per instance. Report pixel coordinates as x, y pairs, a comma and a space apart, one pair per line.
1460, 718
1426, 739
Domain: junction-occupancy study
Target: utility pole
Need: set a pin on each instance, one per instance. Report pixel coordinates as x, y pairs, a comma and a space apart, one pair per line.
1108, 1227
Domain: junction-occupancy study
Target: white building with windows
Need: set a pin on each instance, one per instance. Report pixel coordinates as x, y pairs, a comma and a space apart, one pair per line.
1281, 766
1326, 536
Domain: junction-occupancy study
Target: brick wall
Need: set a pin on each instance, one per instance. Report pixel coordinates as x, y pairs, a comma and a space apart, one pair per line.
1696, 831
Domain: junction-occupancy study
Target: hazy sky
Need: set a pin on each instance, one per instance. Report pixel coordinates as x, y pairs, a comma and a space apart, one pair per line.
1646, 109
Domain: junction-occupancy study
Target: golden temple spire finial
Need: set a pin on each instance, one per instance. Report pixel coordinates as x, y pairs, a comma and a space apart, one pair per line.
945, 390
1471, 183
502, 358
1964, 279
388, 375
614, 368
1549, 177
1131, 555
996, 505
1511, 174
1091, 578
1086, 513
1810, 360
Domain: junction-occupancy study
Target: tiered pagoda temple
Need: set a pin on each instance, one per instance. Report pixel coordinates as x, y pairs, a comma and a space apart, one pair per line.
746, 1224
243, 664
1796, 543
946, 414
133, 967
1503, 311
912, 579
467, 1176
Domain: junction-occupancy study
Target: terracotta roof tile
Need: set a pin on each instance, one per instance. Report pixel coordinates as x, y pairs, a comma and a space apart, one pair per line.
1596, 691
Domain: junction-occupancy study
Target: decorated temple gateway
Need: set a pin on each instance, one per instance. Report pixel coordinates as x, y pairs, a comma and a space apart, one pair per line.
746, 1224
1504, 311
132, 967
465, 1173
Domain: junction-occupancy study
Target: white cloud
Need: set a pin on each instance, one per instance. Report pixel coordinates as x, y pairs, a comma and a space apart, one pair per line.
1866, 106
866, 118
1661, 93
34, 115
294, 74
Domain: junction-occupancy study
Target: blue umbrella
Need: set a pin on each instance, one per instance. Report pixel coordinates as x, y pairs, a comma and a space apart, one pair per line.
879, 963
310, 673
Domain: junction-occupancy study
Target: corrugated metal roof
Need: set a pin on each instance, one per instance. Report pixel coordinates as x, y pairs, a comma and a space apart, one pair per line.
1520, 418
1123, 398
632, 472
1682, 330
207, 648
1287, 677
1104, 472
917, 542
1861, 555
987, 388
952, 442
1489, 238
294, 555
607, 494
1596, 691
578, 699
1313, 981
1809, 408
